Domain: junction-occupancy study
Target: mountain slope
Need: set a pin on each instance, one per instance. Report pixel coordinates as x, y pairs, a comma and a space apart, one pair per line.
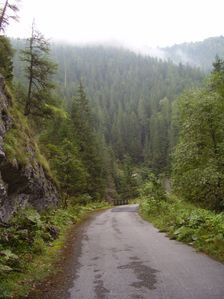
200, 54
131, 96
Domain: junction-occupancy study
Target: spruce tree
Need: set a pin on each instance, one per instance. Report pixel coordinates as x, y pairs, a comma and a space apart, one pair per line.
39, 70
7, 12
89, 146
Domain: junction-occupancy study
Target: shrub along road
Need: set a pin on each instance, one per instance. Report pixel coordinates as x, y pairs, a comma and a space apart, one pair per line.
118, 255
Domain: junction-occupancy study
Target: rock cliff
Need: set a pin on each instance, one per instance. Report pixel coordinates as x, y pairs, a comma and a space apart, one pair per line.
21, 184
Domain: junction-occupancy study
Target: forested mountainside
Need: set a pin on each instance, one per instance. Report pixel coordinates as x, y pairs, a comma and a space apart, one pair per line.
130, 115
199, 54
130, 95
84, 126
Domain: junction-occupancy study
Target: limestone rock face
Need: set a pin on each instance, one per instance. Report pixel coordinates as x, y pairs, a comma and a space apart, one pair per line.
21, 185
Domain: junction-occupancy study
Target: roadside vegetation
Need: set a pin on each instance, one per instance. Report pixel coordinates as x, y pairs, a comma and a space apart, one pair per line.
181, 220
100, 124
31, 243
195, 214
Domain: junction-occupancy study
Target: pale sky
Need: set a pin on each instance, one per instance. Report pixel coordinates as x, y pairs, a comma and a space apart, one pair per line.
132, 23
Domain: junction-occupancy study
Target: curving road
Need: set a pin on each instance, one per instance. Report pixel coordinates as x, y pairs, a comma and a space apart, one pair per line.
123, 257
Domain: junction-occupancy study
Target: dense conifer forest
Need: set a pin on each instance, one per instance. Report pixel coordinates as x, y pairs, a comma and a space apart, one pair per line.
84, 124
135, 114
131, 98
199, 54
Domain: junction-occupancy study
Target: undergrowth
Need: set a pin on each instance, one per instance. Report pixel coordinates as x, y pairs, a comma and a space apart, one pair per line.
201, 228
19, 141
31, 243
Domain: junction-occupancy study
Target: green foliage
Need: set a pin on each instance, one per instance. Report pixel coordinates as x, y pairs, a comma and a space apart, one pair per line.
217, 78
152, 188
127, 179
60, 147
24, 234
198, 160
31, 243
68, 167
83, 199
17, 138
129, 98
6, 56
38, 69
20, 138
76, 153
8, 11
184, 222
199, 54
89, 146
160, 126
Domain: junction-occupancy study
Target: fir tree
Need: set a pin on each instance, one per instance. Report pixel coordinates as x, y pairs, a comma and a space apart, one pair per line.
7, 12
89, 146
39, 70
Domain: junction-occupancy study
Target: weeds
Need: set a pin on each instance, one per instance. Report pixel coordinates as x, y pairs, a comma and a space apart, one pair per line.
201, 228
30, 244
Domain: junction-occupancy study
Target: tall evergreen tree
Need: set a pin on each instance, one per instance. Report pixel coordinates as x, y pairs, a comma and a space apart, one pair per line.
39, 70
7, 12
89, 146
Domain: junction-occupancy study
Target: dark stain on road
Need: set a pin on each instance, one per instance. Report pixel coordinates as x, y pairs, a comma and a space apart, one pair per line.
100, 290
95, 258
145, 274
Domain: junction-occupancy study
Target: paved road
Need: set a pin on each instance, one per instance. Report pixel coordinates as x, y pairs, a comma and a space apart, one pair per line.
117, 255
123, 257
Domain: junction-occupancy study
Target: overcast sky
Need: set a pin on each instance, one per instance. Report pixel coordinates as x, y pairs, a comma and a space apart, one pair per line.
132, 23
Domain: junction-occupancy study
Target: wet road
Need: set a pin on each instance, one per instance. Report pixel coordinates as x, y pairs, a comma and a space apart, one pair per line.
123, 257
117, 255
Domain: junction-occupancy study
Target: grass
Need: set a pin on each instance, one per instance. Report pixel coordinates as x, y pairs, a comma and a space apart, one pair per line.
19, 142
200, 228
31, 245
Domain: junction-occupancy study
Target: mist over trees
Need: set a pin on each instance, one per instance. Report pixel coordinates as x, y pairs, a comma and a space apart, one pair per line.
130, 95
137, 113
198, 54
83, 125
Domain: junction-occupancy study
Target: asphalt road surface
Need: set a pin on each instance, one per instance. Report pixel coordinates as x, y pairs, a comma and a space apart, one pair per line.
116, 254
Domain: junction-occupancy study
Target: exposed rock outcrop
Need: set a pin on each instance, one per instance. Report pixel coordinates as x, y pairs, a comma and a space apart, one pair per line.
21, 184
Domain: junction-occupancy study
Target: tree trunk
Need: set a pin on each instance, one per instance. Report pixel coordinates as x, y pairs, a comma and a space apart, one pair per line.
2, 15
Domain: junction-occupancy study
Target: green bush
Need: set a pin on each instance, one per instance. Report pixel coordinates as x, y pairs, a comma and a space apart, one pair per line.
152, 188
32, 241
83, 199
182, 221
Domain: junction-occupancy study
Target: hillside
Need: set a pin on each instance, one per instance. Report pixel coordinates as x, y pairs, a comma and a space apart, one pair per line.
85, 128
25, 176
130, 95
200, 54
